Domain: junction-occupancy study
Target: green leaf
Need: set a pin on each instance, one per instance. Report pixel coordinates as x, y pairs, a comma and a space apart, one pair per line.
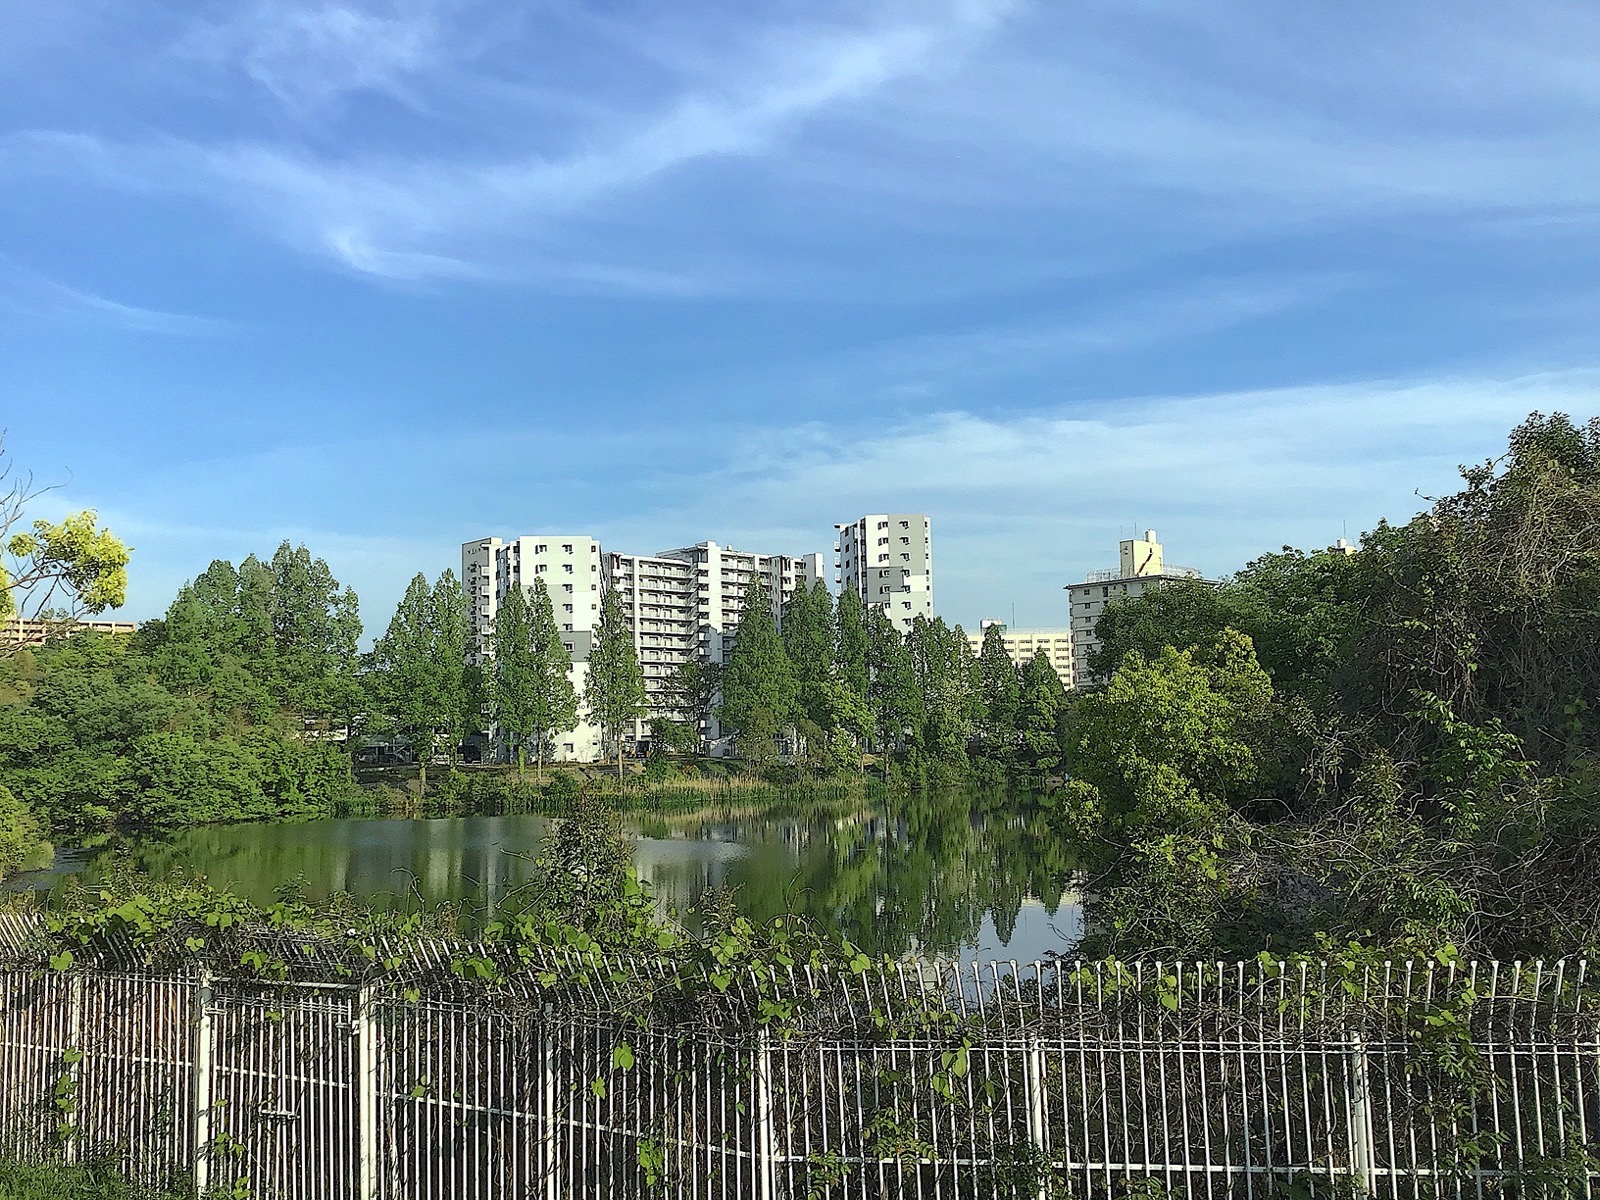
622, 1056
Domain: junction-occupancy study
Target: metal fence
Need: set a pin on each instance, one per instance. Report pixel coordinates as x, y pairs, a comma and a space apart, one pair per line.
1036, 1080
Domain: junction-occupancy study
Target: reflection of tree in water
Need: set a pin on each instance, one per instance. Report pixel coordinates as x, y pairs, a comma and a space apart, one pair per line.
917, 874
914, 874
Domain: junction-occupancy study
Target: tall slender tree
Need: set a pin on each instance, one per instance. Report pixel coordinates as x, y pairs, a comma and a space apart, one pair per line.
892, 696
850, 643
451, 630
407, 678
758, 677
1001, 687
552, 701
614, 694
512, 682
807, 633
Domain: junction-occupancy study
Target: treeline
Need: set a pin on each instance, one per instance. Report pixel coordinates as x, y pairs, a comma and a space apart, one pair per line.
842, 679
231, 707
1395, 747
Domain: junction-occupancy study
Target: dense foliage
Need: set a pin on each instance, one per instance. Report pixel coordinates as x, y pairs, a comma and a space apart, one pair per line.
1396, 745
233, 706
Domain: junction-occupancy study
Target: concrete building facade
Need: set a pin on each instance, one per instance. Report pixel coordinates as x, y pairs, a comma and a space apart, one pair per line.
1023, 644
685, 604
887, 560
682, 604
1141, 567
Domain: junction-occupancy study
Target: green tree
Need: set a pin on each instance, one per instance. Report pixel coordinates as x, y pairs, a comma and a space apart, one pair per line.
416, 678
615, 693
514, 677
1176, 741
893, 696
1001, 689
947, 676
693, 691
1040, 716
807, 633
316, 626
850, 643
459, 689
71, 565
758, 675
552, 701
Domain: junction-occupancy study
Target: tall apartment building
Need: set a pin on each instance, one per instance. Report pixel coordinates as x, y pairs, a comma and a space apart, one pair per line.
685, 604
682, 603
887, 560
1141, 568
1023, 644
571, 568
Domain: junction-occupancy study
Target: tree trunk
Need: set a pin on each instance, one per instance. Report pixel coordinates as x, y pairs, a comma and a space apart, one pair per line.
538, 769
619, 758
522, 759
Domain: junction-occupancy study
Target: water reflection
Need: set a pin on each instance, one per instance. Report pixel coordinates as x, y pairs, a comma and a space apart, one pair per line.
938, 876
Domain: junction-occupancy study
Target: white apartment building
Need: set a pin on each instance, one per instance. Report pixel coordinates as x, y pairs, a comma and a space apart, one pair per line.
1023, 644
685, 603
571, 569
1140, 568
887, 560
682, 603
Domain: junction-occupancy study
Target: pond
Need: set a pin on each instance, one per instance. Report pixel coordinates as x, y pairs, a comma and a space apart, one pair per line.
928, 876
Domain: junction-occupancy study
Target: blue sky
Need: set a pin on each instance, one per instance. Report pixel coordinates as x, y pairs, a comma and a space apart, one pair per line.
384, 277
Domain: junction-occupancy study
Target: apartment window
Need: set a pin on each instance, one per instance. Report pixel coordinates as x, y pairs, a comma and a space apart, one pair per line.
568, 645
566, 587
1105, 591
905, 604
568, 607
883, 524
539, 549
905, 524
883, 558
567, 548
905, 541
883, 541
905, 558
538, 569
567, 567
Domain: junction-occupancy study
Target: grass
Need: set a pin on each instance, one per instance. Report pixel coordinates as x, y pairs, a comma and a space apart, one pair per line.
36, 1181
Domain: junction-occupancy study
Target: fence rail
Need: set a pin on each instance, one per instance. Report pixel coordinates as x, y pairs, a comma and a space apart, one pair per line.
1214, 1080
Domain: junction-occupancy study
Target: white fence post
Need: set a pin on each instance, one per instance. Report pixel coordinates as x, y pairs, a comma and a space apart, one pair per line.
1038, 1131
71, 1150
1362, 1152
547, 1107
201, 1050
366, 1095
766, 1173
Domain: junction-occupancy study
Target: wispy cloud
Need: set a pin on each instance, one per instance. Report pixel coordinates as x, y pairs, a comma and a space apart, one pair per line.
312, 55
399, 216
34, 295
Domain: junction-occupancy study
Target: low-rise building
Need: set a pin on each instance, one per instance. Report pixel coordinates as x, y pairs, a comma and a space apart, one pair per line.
22, 631
1023, 644
1141, 567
